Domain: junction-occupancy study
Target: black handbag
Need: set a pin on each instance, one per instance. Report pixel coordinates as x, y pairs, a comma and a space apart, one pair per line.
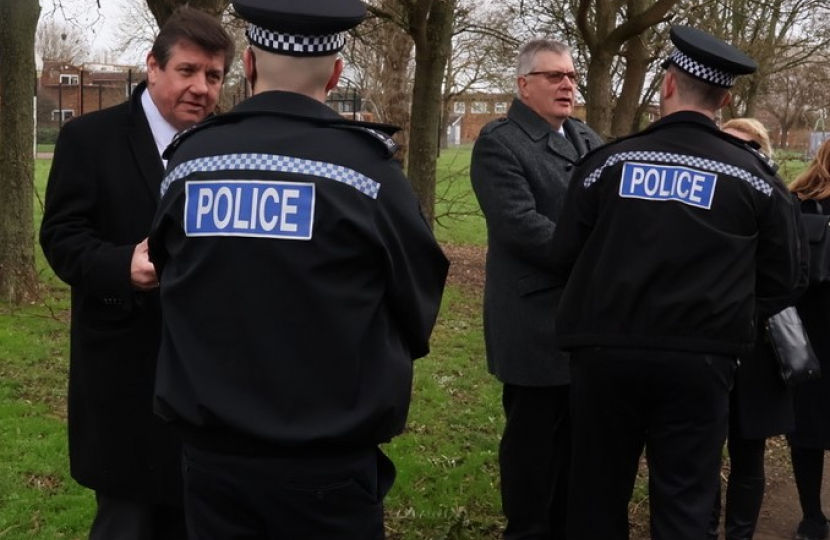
816, 227
791, 347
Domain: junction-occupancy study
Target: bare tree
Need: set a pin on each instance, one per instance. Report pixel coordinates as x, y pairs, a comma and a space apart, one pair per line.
482, 57
137, 28
381, 66
779, 34
18, 279
429, 24
162, 9
61, 42
795, 96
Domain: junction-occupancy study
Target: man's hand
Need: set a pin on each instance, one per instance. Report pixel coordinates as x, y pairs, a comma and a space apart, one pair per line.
142, 272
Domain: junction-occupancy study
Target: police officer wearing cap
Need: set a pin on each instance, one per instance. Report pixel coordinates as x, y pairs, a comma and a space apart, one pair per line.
667, 240
299, 280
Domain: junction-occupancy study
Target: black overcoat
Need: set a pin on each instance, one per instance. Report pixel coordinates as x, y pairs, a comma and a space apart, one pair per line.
520, 171
812, 398
102, 193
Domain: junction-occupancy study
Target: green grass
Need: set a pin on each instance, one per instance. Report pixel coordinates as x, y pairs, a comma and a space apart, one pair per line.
458, 216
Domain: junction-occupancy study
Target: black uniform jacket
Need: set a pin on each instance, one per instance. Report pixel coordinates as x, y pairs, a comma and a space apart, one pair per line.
520, 170
668, 238
299, 280
100, 200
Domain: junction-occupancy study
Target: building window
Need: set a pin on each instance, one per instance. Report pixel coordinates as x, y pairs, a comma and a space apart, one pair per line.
501, 107
480, 107
69, 79
63, 114
459, 107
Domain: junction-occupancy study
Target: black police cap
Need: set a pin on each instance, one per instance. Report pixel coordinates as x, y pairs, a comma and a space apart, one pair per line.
707, 58
300, 27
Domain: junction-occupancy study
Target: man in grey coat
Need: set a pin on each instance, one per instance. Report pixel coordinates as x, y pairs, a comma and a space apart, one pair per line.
520, 171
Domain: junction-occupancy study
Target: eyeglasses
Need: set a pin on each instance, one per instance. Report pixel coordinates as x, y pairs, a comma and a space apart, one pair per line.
556, 77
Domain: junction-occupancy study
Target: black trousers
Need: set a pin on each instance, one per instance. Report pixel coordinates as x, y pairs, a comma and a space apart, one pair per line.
673, 404
121, 519
534, 458
233, 497
745, 486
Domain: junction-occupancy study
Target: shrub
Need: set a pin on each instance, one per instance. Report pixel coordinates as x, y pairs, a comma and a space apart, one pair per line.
47, 135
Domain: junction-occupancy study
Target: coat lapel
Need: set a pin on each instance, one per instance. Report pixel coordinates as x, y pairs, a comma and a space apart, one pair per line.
562, 146
537, 128
143, 147
580, 136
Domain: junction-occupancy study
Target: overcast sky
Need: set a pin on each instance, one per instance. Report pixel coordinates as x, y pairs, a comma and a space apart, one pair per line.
98, 25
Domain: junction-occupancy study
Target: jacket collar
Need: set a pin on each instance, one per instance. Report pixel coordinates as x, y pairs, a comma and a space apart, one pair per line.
685, 117
536, 127
526, 118
289, 103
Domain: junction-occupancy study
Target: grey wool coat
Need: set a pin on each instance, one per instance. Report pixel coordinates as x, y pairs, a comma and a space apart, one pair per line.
520, 172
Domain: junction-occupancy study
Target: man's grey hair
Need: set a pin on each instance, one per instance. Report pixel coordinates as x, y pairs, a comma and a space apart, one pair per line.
527, 54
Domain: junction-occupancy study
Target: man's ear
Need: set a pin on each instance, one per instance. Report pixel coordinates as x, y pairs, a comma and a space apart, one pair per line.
335, 74
249, 66
152, 68
726, 100
669, 84
521, 84
248, 63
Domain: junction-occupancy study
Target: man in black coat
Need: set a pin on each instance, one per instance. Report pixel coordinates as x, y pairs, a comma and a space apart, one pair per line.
100, 200
520, 170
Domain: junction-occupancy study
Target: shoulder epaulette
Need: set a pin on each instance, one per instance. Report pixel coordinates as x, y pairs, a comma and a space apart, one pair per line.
753, 148
495, 124
381, 133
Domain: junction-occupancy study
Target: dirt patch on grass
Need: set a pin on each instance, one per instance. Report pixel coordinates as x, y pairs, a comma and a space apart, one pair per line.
466, 265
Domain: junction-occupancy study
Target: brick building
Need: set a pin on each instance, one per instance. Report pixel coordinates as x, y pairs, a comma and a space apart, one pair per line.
66, 91
468, 113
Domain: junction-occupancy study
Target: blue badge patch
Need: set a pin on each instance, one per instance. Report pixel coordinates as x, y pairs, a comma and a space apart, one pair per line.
668, 183
249, 208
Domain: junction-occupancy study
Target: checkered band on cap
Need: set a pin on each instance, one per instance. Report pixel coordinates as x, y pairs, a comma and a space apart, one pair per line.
293, 44
701, 71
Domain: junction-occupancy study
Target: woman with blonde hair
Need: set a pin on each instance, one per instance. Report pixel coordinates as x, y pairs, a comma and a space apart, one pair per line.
811, 436
750, 129
760, 406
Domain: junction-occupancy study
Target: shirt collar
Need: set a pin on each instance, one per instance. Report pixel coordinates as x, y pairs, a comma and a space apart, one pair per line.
163, 132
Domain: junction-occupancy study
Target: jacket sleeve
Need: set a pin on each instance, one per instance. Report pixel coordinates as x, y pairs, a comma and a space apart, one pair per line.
507, 200
782, 256
72, 235
416, 265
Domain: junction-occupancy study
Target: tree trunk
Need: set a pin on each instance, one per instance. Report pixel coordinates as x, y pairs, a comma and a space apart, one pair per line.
18, 279
599, 105
395, 83
162, 9
628, 104
431, 30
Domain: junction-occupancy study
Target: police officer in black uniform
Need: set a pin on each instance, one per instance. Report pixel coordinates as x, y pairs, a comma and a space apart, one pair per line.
666, 240
299, 281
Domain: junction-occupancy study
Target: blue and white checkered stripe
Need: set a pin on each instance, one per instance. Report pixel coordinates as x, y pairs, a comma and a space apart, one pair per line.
295, 44
695, 162
273, 163
701, 71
